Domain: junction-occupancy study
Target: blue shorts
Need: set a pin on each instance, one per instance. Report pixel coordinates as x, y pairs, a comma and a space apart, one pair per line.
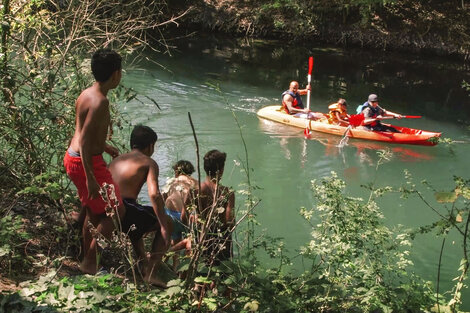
178, 226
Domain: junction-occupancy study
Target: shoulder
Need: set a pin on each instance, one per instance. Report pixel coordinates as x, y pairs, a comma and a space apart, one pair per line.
194, 182
287, 94
92, 99
151, 163
123, 159
333, 106
224, 190
366, 111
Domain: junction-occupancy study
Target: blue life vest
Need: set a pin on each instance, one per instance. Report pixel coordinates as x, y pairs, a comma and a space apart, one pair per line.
362, 107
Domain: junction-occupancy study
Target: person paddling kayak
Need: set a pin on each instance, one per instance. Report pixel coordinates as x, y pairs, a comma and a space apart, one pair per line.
372, 111
292, 101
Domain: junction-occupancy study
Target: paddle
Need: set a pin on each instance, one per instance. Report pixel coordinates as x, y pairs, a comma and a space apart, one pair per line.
354, 120
309, 79
357, 119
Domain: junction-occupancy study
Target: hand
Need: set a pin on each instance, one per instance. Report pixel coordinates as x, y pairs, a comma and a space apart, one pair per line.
398, 116
112, 151
166, 236
93, 189
308, 87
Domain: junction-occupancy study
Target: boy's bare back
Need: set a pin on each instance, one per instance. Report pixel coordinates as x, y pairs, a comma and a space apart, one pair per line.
92, 120
179, 192
225, 199
130, 171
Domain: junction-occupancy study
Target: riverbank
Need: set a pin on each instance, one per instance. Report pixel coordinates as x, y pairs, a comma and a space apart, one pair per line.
430, 28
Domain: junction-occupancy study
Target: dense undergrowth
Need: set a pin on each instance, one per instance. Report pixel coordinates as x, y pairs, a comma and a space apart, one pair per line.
425, 26
352, 263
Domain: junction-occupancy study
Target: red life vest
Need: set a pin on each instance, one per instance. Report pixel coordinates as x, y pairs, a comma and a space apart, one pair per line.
296, 103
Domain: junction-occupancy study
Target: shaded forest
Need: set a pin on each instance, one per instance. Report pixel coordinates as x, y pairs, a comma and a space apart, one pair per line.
435, 27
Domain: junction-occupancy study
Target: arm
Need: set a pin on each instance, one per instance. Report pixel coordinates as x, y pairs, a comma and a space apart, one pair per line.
112, 151
303, 92
187, 201
394, 115
341, 121
157, 200
288, 102
95, 114
367, 117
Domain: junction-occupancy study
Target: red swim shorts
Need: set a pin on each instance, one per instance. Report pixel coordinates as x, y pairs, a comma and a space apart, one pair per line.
76, 172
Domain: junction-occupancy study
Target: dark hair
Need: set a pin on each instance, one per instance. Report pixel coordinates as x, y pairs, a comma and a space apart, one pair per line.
142, 137
183, 167
342, 101
214, 162
104, 63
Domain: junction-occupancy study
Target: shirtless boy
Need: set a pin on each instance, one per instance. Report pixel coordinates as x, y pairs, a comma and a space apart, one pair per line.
219, 248
83, 160
179, 195
130, 171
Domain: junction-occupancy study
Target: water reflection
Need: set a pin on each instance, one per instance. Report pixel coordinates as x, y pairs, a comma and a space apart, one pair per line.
409, 84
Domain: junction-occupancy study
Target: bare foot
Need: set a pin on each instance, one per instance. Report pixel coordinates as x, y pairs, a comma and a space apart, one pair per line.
87, 267
75, 216
76, 219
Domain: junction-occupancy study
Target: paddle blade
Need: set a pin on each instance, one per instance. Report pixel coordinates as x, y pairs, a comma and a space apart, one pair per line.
310, 65
411, 116
356, 119
307, 132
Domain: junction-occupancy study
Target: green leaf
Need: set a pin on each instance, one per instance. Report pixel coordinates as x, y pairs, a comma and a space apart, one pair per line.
66, 292
211, 303
445, 197
202, 280
173, 291
465, 192
174, 282
4, 250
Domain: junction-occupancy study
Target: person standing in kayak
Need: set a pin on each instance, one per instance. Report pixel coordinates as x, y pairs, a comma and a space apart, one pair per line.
372, 112
292, 101
83, 160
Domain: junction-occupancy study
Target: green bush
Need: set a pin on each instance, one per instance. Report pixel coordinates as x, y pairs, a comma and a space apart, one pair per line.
12, 239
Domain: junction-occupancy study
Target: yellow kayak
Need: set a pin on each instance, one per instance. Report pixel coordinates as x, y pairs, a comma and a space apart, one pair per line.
405, 136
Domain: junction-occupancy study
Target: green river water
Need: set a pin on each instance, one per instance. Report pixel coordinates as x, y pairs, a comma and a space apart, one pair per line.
216, 79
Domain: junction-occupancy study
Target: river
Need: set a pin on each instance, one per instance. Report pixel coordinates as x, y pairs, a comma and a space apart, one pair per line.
217, 79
